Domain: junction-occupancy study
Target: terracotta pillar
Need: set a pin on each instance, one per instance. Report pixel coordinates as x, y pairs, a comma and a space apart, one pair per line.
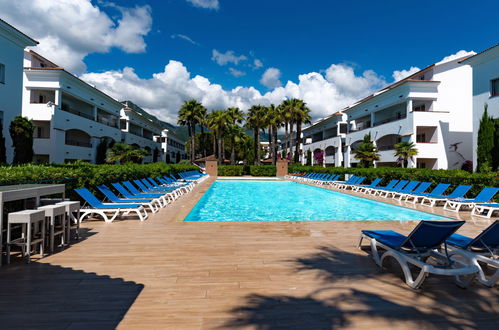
212, 168
282, 168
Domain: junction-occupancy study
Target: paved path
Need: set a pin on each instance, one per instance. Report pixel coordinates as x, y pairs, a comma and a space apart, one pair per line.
166, 273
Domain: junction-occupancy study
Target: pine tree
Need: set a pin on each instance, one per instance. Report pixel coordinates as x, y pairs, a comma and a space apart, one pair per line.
485, 143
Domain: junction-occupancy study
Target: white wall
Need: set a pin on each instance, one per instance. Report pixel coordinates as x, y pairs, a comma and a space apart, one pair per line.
11, 55
485, 68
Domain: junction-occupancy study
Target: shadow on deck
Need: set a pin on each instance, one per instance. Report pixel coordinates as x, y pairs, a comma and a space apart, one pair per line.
356, 292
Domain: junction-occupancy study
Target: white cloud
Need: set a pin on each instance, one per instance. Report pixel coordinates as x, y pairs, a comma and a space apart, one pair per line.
459, 54
208, 4
227, 57
184, 37
69, 30
236, 73
163, 93
270, 78
401, 74
257, 64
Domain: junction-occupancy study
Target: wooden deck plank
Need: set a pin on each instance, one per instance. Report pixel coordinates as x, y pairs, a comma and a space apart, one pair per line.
166, 273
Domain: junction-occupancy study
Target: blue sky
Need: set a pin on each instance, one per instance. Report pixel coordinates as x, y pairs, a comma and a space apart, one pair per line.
303, 36
240, 53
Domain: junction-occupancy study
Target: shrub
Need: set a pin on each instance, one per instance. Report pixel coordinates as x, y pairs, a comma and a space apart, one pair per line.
85, 175
230, 170
454, 177
21, 131
263, 170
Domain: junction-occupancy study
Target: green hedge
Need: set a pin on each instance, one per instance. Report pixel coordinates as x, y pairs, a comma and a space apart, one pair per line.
454, 177
85, 175
231, 170
262, 170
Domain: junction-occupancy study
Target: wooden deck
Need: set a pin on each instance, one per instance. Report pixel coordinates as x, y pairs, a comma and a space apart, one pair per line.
166, 273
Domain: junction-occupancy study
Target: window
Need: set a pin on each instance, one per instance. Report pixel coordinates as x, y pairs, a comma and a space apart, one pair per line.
494, 87
2, 73
421, 138
421, 107
420, 164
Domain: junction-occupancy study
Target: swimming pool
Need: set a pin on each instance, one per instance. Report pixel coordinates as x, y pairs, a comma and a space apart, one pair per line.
291, 201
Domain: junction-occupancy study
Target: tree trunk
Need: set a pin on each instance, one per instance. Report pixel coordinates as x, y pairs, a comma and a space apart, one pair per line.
274, 144
220, 150
258, 146
255, 145
215, 152
291, 124
233, 151
203, 141
298, 141
286, 137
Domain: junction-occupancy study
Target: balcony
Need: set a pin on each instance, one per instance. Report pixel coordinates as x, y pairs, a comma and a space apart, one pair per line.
78, 138
76, 112
390, 119
108, 121
84, 144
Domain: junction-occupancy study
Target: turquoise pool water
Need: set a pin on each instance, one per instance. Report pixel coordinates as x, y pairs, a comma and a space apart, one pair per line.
291, 201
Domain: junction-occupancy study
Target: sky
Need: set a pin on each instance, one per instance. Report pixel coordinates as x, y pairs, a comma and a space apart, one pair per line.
158, 53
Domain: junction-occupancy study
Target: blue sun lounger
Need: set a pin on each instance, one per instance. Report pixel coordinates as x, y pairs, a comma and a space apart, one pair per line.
417, 248
418, 190
433, 200
438, 190
361, 187
371, 190
136, 191
127, 194
485, 209
484, 196
484, 248
401, 184
346, 185
142, 201
97, 207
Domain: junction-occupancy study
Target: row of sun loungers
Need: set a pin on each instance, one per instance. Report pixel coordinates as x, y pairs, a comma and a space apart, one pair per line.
434, 247
413, 192
137, 196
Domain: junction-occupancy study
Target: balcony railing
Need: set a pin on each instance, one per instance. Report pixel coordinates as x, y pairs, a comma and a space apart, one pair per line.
389, 120
84, 144
78, 113
108, 122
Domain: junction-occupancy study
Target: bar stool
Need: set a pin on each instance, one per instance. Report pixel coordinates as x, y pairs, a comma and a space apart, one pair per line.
72, 222
56, 224
29, 236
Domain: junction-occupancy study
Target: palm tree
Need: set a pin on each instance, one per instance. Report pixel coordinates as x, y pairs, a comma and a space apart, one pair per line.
366, 152
405, 151
290, 109
217, 121
202, 124
274, 120
191, 114
254, 120
234, 116
235, 133
302, 116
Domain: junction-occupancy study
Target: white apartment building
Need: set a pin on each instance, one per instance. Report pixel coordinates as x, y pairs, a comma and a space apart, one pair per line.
70, 116
12, 45
139, 129
173, 147
431, 108
485, 66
